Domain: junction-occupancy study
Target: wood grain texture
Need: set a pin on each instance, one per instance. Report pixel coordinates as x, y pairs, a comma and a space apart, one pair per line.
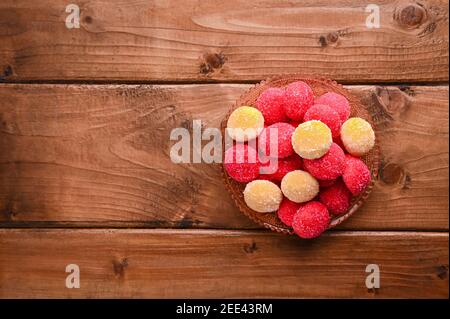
207, 264
219, 40
98, 155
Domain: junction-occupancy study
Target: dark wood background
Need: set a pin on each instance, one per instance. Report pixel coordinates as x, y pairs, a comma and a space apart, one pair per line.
85, 173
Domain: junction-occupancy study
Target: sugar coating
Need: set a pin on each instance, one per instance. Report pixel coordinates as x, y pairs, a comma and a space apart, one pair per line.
311, 220
311, 139
326, 115
357, 136
275, 140
337, 102
299, 186
328, 167
284, 166
287, 211
336, 198
241, 163
245, 123
356, 175
270, 103
298, 99
262, 196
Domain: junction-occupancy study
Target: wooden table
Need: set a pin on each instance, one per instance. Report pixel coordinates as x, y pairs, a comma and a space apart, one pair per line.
85, 173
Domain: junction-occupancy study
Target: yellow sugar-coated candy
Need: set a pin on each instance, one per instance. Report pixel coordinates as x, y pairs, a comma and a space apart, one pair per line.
312, 139
358, 136
263, 196
299, 186
245, 123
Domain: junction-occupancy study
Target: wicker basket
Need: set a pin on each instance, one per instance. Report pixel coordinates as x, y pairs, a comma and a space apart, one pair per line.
319, 86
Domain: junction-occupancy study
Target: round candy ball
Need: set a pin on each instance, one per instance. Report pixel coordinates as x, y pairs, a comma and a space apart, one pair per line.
356, 175
311, 139
311, 220
336, 198
281, 168
270, 103
328, 167
287, 211
263, 196
357, 136
299, 186
276, 140
337, 102
245, 123
298, 99
241, 163
326, 115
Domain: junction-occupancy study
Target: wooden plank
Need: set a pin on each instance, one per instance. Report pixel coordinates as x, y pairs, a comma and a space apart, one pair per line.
90, 156
207, 264
219, 40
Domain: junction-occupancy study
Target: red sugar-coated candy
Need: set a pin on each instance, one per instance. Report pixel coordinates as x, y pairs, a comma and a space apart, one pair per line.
326, 115
328, 167
285, 165
311, 220
336, 198
325, 183
298, 99
356, 175
270, 103
279, 133
287, 211
337, 102
240, 163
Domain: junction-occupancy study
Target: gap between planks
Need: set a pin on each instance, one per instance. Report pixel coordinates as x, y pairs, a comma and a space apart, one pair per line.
225, 232
68, 225
208, 82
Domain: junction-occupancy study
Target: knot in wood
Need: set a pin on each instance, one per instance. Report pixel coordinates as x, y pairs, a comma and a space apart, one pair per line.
410, 16
332, 37
393, 174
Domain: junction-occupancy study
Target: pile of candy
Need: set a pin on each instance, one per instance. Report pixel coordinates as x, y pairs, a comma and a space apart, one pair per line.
317, 148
